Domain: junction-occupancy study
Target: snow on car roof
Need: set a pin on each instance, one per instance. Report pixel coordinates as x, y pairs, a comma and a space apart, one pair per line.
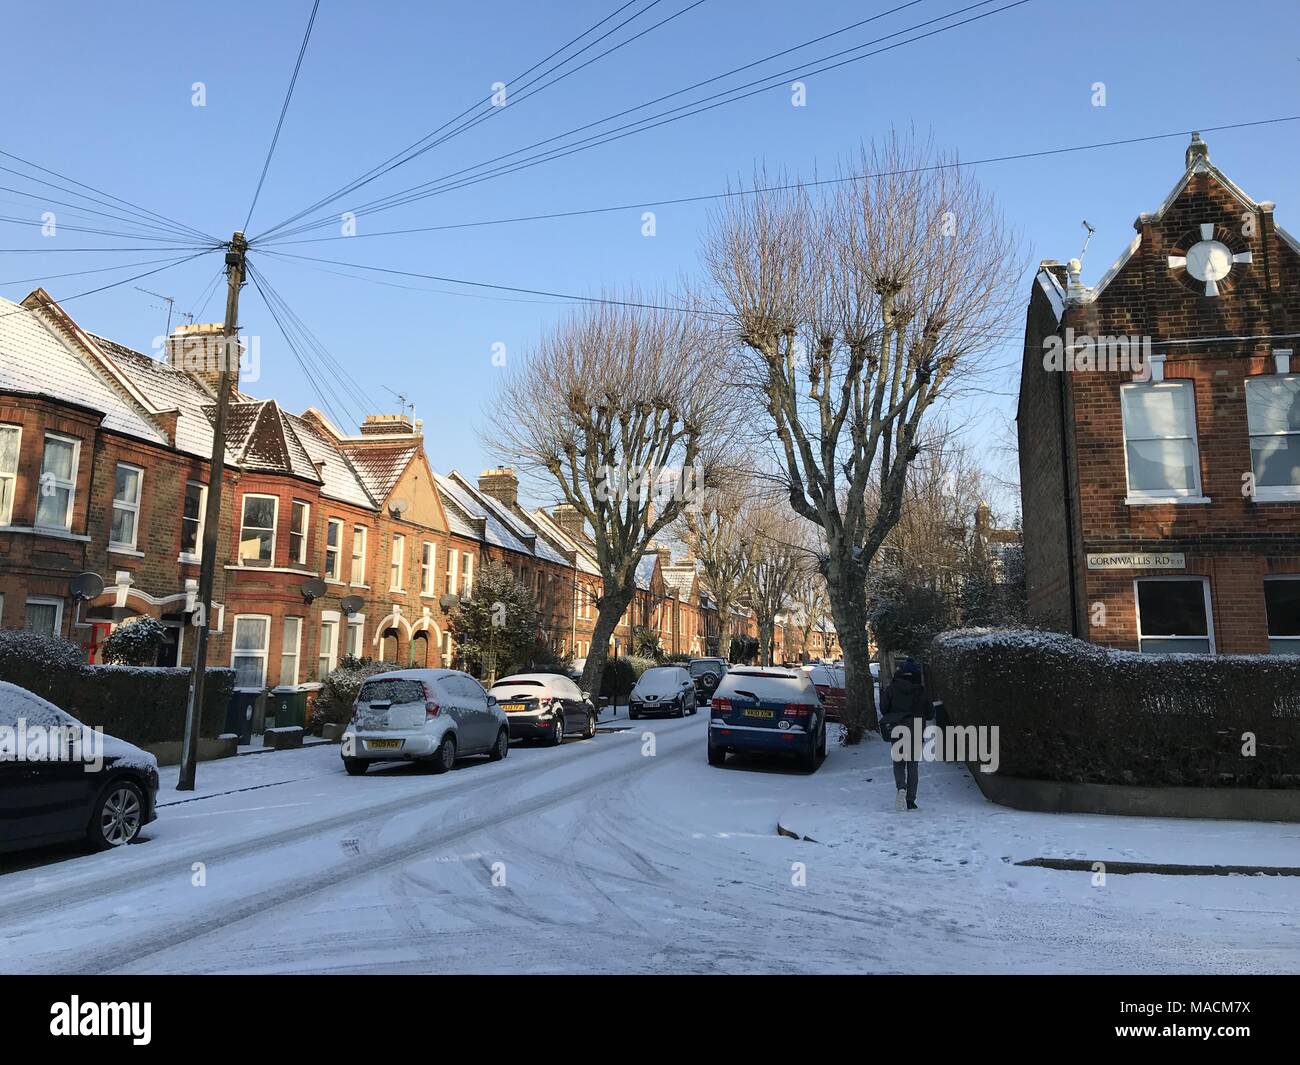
529, 678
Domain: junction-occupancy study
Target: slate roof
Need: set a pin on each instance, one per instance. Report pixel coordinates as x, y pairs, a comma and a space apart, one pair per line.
552, 531
522, 530
645, 570
36, 359
380, 468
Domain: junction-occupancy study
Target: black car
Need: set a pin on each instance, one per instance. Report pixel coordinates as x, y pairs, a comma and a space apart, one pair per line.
707, 673
55, 791
665, 690
545, 706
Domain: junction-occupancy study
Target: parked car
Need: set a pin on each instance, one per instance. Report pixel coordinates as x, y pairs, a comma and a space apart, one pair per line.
425, 715
707, 673
829, 682
663, 690
767, 709
105, 802
545, 706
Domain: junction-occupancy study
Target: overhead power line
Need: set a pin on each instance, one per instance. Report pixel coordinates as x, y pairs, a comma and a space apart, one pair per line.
466, 176
415, 149
793, 185
284, 109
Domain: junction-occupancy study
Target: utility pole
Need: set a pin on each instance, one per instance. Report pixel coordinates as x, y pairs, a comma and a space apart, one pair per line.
235, 255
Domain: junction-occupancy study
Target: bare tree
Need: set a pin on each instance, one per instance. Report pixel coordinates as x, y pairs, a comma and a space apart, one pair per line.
811, 603
775, 564
621, 408
850, 316
712, 532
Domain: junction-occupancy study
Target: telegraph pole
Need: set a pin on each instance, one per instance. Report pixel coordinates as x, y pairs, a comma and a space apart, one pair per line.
235, 255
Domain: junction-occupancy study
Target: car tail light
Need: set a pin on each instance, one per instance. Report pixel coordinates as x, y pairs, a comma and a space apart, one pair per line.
356, 712
720, 706
796, 710
431, 706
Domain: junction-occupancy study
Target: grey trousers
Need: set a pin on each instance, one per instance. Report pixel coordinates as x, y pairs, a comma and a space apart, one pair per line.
905, 774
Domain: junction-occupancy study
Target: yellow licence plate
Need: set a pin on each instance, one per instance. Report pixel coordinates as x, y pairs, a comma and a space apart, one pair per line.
513, 708
383, 745
760, 713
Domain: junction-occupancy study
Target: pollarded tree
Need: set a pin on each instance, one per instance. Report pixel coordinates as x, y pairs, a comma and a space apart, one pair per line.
851, 315
623, 410
712, 531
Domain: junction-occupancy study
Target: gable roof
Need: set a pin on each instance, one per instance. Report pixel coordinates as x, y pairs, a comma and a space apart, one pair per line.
548, 526
518, 523
381, 466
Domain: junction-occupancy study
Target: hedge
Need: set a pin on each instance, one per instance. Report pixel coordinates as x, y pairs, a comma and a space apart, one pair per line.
141, 705
1068, 710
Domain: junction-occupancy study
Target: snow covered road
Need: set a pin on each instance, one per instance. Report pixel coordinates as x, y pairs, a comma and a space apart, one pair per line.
603, 857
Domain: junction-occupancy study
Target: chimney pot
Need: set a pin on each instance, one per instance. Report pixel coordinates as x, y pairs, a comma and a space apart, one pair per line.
501, 484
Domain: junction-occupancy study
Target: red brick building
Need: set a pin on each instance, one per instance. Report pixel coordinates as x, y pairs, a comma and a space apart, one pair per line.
1162, 502
103, 470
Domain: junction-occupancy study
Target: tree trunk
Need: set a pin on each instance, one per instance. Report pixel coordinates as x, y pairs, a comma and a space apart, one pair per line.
724, 631
608, 615
849, 611
765, 643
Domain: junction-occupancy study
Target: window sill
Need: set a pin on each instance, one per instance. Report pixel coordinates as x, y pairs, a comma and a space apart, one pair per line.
333, 580
113, 549
1162, 501
354, 584
273, 569
189, 560
57, 534
1277, 495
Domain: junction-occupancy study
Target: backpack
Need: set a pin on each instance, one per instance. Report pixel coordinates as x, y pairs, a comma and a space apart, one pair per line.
905, 704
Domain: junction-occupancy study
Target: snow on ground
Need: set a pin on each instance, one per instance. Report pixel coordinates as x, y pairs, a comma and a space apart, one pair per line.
604, 857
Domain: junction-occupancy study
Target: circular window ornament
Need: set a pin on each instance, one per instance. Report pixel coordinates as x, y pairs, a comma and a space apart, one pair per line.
1206, 257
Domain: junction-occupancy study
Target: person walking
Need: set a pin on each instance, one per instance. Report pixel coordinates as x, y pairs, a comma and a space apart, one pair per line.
906, 703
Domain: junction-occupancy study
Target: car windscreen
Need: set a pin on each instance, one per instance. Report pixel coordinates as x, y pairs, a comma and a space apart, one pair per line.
659, 681
18, 703
394, 690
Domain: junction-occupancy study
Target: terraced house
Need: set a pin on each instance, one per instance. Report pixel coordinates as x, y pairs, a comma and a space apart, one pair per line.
1161, 500
331, 543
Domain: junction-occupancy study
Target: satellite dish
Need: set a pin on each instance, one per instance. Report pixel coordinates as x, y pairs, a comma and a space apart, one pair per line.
448, 601
313, 589
352, 604
398, 507
86, 585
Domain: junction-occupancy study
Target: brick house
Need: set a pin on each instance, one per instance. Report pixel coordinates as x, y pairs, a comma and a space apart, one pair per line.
1161, 500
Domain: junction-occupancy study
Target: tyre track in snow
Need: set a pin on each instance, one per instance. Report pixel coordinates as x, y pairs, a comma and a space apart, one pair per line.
681, 742
90, 886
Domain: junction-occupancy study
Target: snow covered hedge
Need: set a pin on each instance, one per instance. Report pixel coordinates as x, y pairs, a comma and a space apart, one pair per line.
137, 704
1072, 711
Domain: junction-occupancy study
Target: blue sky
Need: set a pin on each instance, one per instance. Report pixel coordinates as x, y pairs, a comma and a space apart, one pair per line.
103, 94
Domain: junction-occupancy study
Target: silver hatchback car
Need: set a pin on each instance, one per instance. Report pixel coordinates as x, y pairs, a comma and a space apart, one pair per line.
428, 715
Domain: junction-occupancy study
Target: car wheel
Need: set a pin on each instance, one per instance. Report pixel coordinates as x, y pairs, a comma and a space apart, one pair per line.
118, 816
502, 746
557, 733
590, 733
446, 756
823, 743
355, 766
717, 756
634, 715
808, 759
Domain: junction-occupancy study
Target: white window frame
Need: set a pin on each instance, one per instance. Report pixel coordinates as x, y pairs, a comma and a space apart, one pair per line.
297, 652
466, 574
337, 573
1293, 640
134, 508
356, 578
1270, 493
7, 514
396, 562
71, 485
238, 652
332, 655
358, 622
300, 559
1209, 614
1184, 496
275, 523
196, 554
428, 568
453, 571
46, 600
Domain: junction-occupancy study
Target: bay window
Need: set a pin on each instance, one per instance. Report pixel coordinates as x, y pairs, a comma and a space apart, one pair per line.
257, 530
10, 439
249, 650
298, 515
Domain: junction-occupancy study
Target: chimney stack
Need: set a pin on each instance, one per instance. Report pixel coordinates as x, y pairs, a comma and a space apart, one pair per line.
200, 350
501, 484
387, 425
573, 524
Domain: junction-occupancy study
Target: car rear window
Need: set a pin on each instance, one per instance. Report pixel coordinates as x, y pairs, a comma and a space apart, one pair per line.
700, 668
518, 684
393, 690
765, 685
